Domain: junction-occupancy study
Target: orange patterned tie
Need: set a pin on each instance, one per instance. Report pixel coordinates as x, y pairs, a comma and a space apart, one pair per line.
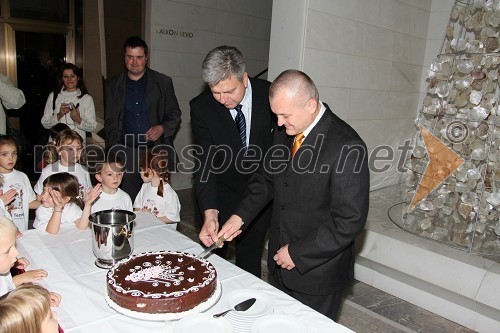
299, 138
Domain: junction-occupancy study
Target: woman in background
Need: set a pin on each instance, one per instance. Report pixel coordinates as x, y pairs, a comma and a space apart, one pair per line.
70, 103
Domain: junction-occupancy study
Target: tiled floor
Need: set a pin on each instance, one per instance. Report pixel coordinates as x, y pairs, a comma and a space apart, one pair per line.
365, 309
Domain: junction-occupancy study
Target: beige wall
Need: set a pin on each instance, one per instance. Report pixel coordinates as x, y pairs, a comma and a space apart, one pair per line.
367, 58
92, 56
180, 33
123, 18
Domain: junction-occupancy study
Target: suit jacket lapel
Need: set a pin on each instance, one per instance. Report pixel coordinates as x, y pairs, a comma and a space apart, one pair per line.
315, 138
259, 110
228, 124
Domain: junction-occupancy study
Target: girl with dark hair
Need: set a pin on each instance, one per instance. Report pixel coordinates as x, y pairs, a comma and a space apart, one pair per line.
156, 195
61, 203
70, 103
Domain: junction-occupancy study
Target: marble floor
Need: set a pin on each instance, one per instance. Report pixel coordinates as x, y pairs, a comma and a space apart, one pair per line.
365, 309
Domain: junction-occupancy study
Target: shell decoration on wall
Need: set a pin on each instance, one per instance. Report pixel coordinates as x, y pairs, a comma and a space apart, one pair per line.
461, 110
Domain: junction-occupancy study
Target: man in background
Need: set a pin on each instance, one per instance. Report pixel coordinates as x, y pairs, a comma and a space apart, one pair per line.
141, 111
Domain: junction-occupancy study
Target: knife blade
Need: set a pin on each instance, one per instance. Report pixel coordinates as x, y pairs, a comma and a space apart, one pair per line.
211, 247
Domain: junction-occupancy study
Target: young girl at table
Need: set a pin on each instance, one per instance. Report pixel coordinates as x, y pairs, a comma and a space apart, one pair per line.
61, 204
106, 194
69, 146
17, 194
156, 195
9, 259
27, 310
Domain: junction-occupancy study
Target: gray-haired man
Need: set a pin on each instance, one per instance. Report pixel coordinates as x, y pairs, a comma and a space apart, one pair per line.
232, 125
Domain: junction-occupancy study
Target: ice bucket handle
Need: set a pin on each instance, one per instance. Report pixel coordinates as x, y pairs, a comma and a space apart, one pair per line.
125, 232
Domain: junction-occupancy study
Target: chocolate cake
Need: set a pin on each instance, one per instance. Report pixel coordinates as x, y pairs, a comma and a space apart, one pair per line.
161, 282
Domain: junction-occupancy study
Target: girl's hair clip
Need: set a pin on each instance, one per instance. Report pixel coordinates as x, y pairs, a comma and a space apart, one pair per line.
78, 197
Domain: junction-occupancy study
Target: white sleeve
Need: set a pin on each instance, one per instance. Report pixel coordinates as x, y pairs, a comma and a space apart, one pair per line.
38, 188
12, 97
87, 113
173, 206
138, 202
49, 117
128, 202
71, 213
42, 218
3, 211
31, 194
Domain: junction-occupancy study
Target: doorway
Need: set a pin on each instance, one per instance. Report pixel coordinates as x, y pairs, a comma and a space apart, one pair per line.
39, 57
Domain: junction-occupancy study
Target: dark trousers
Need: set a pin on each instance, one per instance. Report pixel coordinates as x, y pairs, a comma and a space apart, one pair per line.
250, 244
328, 305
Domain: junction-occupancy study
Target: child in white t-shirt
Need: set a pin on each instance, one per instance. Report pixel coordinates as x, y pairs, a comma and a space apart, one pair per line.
107, 194
17, 195
9, 259
69, 145
61, 203
156, 196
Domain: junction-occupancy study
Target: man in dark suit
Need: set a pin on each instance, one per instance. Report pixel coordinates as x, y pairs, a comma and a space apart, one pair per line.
141, 111
320, 196
232, 125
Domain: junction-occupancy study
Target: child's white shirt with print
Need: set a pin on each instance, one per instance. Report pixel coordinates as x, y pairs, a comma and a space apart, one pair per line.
19, 207
168, 205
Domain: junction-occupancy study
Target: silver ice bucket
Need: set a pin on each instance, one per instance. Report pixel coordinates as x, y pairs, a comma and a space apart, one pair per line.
113, 237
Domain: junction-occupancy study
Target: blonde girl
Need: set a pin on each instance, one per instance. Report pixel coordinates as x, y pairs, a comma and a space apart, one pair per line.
27, 310
156, 195
69, 145
61, 203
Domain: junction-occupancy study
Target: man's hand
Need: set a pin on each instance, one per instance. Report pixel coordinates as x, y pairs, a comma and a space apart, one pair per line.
231, 228
283, 259
208, 233
154, 133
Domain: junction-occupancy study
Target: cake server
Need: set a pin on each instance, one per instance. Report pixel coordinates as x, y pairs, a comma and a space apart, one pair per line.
211, 247
243, 306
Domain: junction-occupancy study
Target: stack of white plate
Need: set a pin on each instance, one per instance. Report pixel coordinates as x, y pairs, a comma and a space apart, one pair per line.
202, 322
278, 323
242, 321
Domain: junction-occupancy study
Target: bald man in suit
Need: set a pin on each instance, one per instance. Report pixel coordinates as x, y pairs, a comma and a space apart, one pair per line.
320, 196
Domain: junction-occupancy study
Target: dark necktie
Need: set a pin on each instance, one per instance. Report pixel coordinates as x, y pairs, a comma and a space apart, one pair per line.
241, 124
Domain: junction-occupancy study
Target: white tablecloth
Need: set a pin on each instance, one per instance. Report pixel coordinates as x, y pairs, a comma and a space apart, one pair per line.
69, 259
